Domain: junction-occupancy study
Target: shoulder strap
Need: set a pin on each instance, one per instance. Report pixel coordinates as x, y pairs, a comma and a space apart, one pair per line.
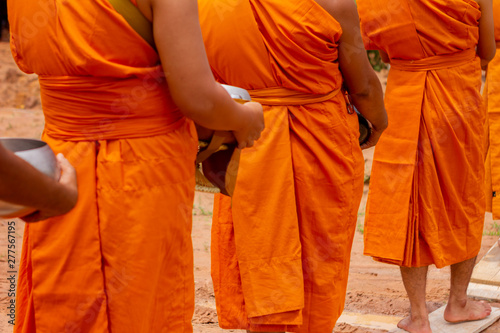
135, 19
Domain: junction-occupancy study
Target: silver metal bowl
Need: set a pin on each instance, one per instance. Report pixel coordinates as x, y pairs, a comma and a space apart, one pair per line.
39, 155
237, 93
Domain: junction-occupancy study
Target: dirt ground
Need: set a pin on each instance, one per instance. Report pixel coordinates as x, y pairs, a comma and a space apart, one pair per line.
373, 288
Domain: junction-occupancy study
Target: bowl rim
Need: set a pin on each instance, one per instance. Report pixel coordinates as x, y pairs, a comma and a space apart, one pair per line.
43, 143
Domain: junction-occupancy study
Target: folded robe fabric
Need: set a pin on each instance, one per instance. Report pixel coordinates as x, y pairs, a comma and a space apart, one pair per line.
491, 95
425, 203
281, 247
121, 260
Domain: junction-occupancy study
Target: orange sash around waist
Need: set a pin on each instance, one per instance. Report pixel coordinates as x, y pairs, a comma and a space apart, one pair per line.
80, 108
284, 96
435, 62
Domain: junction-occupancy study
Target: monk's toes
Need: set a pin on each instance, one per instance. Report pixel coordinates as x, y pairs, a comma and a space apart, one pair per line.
486, 307
484, 310
474, 310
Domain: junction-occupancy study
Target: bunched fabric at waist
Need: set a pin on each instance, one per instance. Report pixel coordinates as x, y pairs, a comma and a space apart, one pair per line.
93, 108
284, 96
435, 62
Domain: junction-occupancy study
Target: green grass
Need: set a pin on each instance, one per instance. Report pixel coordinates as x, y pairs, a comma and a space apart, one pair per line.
199, 210
495, 231
360, 227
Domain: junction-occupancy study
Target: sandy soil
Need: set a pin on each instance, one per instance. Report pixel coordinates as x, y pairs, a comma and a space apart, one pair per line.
373, 288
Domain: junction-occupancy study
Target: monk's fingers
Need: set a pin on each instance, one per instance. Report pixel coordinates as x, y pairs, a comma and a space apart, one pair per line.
369, 143
68, 176
366, 145
372, 140
245, 144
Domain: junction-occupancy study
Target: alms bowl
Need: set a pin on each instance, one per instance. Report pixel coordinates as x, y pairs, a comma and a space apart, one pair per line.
39, 155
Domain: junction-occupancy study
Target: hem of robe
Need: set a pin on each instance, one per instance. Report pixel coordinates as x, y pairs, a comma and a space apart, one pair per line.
284, 321
276, 273
263, 328
400, 264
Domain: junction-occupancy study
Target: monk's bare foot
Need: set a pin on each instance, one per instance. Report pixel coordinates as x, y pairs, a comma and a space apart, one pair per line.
498, 242
466, 311
415, 325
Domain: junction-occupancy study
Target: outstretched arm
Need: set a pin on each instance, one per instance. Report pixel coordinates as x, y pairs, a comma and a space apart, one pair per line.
486, 46
180, 45
22, 184
360, 78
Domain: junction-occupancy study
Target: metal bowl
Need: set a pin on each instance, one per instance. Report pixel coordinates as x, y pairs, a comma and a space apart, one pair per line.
239, 94
39, 155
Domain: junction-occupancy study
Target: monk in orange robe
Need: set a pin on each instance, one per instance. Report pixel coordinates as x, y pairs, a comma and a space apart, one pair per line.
121, 260
426, 199
281, 246
491, 95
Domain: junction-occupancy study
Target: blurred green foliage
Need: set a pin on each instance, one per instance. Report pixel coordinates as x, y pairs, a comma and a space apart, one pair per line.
376, 60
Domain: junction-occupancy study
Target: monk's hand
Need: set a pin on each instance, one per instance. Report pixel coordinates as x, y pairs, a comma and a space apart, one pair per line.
484, 64
253, 125
376, 132
65, 195
68, 179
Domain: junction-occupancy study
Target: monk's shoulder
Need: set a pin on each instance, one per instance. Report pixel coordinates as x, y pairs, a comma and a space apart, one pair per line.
341, 10
335, 7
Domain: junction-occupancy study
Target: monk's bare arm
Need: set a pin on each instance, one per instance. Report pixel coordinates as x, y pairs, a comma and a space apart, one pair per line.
360, 79
22, 184
180, 45
486, 47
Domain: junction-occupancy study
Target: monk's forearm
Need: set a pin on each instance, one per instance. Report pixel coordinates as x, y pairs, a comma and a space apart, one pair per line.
370, 104
486, 47
22, 184
213, 108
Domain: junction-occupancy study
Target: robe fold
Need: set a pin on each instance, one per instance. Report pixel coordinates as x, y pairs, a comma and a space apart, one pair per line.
121, 260
425, 203
491, 95
281, 246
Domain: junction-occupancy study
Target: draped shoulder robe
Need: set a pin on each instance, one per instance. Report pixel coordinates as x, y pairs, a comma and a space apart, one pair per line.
425, 203
121, 261
281, 248
491, 95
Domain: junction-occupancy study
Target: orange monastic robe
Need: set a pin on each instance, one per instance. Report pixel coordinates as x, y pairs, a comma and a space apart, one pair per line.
281, 247
121, 261
491, 95
426, 199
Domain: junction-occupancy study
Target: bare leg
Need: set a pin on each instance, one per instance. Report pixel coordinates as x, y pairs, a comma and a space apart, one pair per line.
414, 280
265, 332
459, 307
